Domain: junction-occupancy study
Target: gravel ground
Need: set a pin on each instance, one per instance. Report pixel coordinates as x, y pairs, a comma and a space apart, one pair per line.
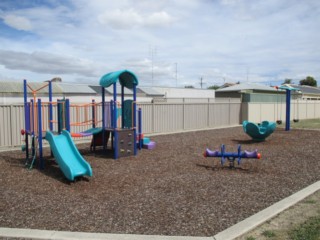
171, 190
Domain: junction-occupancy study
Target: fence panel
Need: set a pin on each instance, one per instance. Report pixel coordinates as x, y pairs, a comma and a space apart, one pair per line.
219, 114
316, 109
235, 113
165, 117
258, 112
168, 117
17, 123
147, 117
195, 116
5, 128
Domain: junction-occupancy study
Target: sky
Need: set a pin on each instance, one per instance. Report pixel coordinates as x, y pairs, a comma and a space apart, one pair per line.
172, 43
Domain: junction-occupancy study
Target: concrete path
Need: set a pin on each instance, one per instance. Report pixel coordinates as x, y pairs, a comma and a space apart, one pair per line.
235, 231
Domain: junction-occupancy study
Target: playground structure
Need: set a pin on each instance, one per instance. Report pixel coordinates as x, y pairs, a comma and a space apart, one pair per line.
121, 119
118, 120
259, 132
40, 124
123, 133
231, 156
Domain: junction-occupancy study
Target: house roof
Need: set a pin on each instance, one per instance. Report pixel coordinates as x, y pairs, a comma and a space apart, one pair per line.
109, 90
17, 87
126, 90
246, 86
170, 92
307, 89
75, 88
57, 88
150, 91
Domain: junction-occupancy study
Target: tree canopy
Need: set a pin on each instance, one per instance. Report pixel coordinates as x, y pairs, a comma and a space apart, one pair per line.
287, 81
214, 87
310, 81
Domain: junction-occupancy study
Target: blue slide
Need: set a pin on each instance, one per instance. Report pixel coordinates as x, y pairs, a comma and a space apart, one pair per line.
67, 155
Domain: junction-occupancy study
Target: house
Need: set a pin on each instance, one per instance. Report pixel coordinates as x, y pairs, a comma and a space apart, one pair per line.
307, 92
251, 92
12, 92
179, 95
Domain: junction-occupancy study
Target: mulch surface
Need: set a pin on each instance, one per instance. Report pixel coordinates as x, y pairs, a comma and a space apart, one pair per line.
171, 190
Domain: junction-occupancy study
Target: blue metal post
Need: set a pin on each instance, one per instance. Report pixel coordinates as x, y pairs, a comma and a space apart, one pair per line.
103, 118
40, 134
93, 114
93, 124
26, 116
67, 117
32, 112
59, 109
115, 111
115, 121
134, 117
33, 151
140, 127
122, 106
25, 102
288, 98
50, 107
111, 122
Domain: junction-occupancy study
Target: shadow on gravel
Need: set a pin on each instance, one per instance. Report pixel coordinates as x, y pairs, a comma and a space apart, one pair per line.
223, 168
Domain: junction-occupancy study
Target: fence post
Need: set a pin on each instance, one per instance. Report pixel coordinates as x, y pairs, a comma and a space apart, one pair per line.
10, 126
183, 114
153, 118
306, 108
208, 112
229, 105
260, 120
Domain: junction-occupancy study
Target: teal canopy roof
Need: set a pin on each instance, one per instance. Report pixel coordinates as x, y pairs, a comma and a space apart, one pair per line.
288, 87
125, 77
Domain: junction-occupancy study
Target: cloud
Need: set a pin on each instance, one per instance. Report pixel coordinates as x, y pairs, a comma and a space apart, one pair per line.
214, 39
43, 62
130, 18
159, 19
17, 22
120, 19
157, 73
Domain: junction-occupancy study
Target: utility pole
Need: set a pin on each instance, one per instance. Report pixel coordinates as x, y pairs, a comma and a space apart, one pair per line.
201, 82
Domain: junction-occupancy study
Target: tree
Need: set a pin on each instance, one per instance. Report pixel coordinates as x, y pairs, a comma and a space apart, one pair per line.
287, 81
214, 87
189, 86
310, 81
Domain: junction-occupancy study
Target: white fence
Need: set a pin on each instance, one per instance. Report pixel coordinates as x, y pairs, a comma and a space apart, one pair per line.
172, 117
302, 109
